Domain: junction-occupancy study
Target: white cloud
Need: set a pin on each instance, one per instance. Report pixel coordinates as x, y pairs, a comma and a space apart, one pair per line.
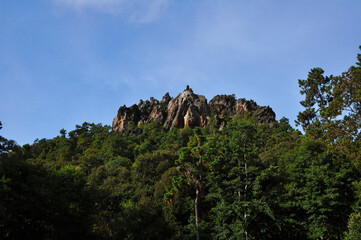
136, 11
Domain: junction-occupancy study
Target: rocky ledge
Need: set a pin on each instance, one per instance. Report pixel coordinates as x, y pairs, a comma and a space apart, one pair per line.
189, 109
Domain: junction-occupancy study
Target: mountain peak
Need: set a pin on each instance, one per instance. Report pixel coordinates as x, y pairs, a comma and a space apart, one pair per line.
188, 89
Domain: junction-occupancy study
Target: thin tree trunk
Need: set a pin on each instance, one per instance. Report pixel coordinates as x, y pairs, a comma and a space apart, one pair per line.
196, 208
198, 182
245, 189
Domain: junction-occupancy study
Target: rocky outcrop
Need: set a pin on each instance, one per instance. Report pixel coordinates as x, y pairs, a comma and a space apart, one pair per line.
189, 109
223, 107
124, 117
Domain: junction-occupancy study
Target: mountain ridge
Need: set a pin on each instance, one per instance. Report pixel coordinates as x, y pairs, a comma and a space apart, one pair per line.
189, 109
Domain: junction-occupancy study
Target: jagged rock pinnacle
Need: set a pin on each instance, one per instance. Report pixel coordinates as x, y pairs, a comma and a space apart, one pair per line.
188, 89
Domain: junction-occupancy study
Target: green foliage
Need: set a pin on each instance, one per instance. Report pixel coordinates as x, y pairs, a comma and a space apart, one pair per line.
163, 106
321, 184
354, 227
237, 183
333, 105
6, 146
250, 181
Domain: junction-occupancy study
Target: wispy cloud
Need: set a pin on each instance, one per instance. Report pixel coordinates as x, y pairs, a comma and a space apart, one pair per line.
136, 11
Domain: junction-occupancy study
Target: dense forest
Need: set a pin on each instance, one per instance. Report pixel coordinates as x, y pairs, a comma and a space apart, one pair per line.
246, 181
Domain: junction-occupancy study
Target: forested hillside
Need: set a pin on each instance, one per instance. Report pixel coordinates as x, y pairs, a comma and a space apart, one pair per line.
246, 181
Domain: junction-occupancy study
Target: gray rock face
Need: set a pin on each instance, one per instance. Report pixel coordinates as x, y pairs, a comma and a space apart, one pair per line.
124, 117
189, 109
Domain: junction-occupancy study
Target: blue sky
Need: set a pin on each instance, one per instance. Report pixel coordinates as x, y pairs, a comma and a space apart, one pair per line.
64, 62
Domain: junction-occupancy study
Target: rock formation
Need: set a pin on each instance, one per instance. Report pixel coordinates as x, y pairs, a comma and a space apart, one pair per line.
189, 109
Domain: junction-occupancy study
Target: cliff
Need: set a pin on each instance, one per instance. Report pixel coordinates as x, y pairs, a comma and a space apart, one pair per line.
189, 109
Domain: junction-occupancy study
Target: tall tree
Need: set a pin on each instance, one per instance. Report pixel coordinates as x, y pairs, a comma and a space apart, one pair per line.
191, 166
333, 105
234, 176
